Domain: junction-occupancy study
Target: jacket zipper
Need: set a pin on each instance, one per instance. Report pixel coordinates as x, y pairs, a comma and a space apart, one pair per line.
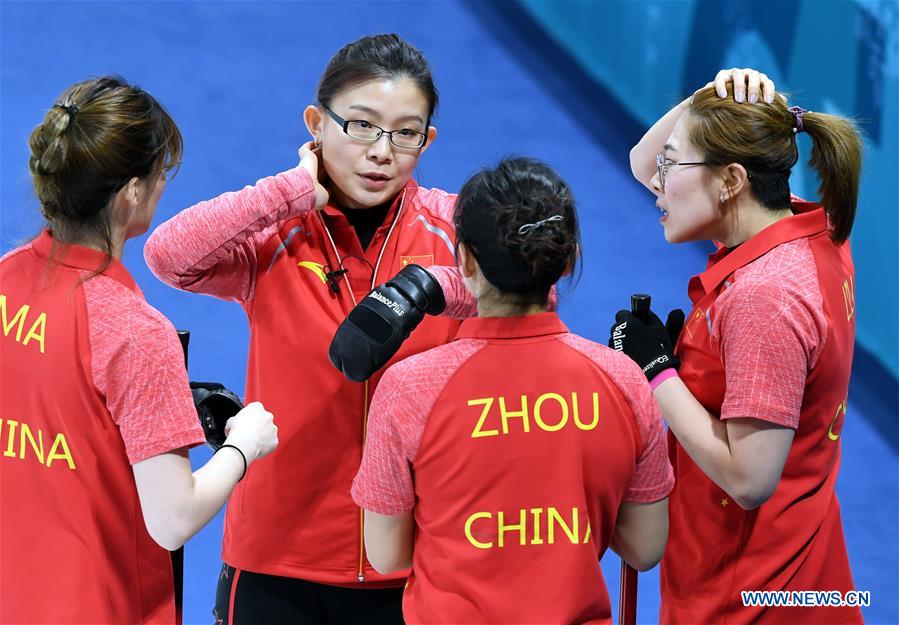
360, 571
360, 575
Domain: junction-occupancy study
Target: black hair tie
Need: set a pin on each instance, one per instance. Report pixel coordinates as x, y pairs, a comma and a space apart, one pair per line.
798, 112
242, 457
70, 109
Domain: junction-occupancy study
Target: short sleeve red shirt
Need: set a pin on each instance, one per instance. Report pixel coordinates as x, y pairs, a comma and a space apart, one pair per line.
93, 380
770, 337
767, 356
515, 445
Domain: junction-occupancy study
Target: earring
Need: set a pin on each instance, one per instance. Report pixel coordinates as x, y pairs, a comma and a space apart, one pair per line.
318, 142
721, 197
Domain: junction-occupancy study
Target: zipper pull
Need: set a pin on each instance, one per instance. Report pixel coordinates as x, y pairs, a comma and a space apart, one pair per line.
360, 578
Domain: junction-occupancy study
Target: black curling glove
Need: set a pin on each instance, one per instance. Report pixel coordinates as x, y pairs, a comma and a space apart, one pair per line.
215, 405
648, 343
376, 328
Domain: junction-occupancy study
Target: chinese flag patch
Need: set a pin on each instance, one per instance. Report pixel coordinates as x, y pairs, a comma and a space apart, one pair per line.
425, 260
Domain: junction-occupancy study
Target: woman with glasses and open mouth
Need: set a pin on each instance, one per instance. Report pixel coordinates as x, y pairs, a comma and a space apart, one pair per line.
298, 250
753, 383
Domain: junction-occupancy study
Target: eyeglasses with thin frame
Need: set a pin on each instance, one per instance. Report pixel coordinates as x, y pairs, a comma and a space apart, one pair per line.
664, 164
367, 131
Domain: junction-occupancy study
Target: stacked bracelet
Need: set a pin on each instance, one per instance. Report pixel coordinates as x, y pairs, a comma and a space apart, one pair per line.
242, 457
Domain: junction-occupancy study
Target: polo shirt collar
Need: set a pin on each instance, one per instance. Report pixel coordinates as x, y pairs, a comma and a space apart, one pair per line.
809, 220
527, 326
80, 257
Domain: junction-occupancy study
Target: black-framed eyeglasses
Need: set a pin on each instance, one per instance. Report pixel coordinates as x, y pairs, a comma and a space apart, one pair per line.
367, 131
664, 164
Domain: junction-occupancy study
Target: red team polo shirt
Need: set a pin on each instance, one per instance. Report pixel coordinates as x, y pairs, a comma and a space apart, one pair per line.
92, 381
266, 247
516, 445
770, 337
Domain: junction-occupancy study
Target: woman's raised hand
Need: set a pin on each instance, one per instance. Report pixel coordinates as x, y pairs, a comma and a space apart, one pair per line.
310, 156
748, 84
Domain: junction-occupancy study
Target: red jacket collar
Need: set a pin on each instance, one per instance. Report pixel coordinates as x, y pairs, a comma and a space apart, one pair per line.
404, 198
80, 257
540, 324
810, 219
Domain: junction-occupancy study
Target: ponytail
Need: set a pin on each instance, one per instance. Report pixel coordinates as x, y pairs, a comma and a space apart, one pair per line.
98, 135
763, 139
837, 157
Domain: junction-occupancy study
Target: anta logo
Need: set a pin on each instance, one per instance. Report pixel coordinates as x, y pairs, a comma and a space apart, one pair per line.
317, 268
424, 260
841, 412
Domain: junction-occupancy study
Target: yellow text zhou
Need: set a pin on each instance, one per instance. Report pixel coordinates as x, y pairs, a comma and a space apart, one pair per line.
550, 412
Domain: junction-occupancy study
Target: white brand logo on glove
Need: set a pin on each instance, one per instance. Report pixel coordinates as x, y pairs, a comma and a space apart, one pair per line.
617, 337
396, 308
657, 361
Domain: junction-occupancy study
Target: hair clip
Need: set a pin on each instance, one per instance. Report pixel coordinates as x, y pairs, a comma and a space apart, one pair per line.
529, 228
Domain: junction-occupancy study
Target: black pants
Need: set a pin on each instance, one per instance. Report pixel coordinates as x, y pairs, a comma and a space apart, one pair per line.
271, 600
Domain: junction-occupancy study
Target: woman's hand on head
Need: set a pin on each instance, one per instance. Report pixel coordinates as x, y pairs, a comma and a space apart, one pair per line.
310, 156
750, 85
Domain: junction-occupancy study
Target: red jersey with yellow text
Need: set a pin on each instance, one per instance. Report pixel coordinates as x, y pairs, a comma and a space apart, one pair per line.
267, 248
770, 337
92, 380
515, 445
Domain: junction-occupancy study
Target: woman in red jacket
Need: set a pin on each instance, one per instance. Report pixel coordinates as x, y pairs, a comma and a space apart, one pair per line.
501, 466
96, 413
298, 250
757, 405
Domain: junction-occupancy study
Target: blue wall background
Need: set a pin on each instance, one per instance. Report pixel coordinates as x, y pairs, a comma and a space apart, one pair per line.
836, 56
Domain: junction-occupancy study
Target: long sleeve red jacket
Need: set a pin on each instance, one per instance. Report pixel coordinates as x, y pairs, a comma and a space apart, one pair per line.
266, 247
